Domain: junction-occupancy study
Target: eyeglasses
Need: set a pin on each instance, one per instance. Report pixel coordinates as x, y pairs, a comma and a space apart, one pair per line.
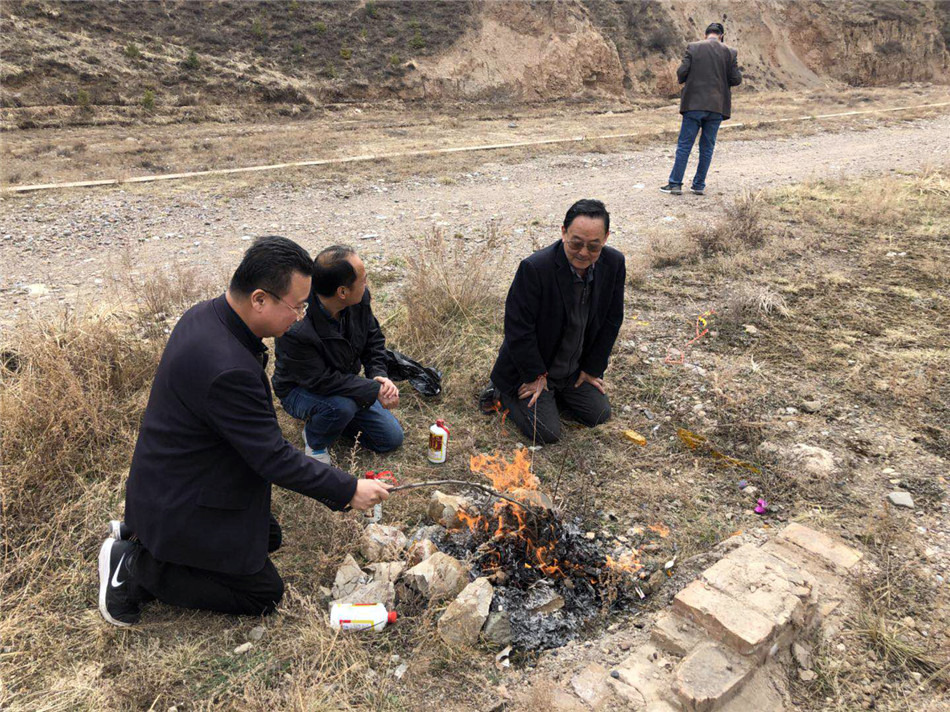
592, 247
300, 311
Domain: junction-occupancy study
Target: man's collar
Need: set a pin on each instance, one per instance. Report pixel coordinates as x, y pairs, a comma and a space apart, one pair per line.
236, 326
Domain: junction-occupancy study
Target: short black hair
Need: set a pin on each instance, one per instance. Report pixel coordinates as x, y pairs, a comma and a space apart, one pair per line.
332, 269
588, 208
715, 28
270, 264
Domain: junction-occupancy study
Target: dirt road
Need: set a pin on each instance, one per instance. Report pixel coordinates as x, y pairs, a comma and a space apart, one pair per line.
59, 247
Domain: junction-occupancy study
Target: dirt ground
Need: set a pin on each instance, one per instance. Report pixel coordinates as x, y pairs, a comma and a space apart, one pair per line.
70, 244
826, 292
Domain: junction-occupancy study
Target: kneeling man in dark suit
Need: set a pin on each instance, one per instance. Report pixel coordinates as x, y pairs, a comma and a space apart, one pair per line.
198, 527
562, 316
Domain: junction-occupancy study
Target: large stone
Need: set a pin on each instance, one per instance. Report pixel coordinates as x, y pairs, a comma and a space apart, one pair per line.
374, 592
348, 578
497, 630
762, 692
382, 542
811, 461
830, 549
724, 618
462, 621
386, 571
444, 509
709, 677
420, 551
676, 634
590, 684
438, 577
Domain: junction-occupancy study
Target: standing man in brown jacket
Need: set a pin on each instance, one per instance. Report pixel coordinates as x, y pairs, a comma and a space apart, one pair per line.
709, 70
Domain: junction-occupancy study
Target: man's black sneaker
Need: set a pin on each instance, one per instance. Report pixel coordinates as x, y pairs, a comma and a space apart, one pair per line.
120, 530
672, 189
488, 401
697, 191
118, 602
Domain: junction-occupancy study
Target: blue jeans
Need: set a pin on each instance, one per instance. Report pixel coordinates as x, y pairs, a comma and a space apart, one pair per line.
328, 417
693, 121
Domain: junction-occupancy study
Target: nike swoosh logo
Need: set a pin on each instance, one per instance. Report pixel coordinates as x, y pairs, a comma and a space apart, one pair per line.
115, 577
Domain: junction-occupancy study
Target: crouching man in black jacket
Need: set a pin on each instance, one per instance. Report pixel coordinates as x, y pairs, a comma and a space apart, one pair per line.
562, 316
317, 375
198, 527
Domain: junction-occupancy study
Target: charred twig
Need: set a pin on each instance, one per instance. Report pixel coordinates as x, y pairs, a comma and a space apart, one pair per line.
463, 483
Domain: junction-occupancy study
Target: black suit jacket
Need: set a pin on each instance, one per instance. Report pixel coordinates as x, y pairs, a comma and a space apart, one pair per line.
316, 357
536, 311
199, 489
709, 70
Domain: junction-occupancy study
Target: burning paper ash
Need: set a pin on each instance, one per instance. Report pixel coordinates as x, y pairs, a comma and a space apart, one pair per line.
548, 575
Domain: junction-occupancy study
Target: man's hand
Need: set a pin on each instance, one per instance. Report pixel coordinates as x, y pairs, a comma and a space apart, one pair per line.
533, 390
369, 493
597, 383
388, 393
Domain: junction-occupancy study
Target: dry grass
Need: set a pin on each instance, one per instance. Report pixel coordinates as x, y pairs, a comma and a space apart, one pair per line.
741, 227
73, 391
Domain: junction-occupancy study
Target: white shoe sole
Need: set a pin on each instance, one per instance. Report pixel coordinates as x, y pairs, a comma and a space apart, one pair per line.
115, 529
105, 556
323, 457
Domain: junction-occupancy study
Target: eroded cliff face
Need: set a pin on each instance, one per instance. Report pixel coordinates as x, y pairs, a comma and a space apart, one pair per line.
241, 56
587, 48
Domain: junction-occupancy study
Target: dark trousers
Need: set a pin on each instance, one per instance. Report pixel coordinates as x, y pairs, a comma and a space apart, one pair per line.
694, 122
251, 594
542, 424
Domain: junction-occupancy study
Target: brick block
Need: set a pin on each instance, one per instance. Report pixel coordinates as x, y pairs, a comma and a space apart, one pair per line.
725, 618
831, 550
780, 592
709, 677
676, 634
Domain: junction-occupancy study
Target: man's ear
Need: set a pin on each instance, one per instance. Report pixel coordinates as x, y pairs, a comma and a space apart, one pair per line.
563, 232
341, 293
258, 297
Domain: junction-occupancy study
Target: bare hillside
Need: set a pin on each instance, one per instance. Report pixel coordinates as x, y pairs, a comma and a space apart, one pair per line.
100, 62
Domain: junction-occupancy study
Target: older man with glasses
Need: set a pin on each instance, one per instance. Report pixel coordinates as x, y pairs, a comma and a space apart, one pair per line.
562, 316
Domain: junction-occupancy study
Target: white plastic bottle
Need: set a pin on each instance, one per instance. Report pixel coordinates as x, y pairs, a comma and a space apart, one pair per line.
438, 442
360, 616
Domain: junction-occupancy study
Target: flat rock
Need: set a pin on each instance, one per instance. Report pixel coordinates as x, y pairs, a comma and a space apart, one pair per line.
380, 541
243, 648
590, 684
462, 621
348, 578
643, 680
256, 633
438, 577
709, 677
901, 499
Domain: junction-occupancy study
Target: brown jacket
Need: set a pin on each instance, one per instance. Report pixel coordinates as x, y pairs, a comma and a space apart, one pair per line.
709, 70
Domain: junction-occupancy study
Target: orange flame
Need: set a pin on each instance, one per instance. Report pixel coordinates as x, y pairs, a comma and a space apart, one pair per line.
628, 562
506, 476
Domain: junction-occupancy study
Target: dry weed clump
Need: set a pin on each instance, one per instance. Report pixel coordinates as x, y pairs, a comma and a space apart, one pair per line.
741, 227
671, 250
452, 302
747, 301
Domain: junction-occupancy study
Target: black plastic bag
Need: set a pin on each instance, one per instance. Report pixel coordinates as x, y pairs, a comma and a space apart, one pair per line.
428, 381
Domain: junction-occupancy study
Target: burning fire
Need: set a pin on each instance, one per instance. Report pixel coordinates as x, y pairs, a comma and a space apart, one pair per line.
509, 523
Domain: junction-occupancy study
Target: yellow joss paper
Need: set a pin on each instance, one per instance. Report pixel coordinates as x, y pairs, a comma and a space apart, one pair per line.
635, 437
